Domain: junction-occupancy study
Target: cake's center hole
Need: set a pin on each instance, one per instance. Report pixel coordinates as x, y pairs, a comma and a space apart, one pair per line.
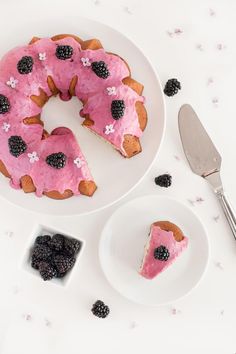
57, 113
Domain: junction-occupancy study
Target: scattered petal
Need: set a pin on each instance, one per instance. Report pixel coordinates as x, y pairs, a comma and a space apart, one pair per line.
210, 81
127, 10
133, 325
85, 61
215, 101
42, 56
199, 200
219, 265
111, 90
12, 82
177, 157
212, 12
192, 202
175, 32
221, 46
9, 233
6, 126
27, 317
33, 157
48, 323
175, 311
78, 162
109, 129
199, 47
216, 218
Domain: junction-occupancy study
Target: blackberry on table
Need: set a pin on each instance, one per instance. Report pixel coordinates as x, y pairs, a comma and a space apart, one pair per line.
172, 87
63, 263
17, 146
72, 246
100, 310
42, 252
117, 109
25, 65
64, 52
56, 160
46, 270
161, 253
43, 240
164, 180
4, 104
57, 242
100, 69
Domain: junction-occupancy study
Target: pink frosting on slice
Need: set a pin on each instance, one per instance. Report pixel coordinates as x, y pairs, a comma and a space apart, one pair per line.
151, 267
90, 88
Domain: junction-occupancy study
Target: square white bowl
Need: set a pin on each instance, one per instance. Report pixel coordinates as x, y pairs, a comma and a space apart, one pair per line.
47, 230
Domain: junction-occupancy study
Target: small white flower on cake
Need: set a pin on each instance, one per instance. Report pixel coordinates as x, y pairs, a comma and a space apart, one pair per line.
111, 90
42, 56
12, 82
6, 126
33, 157
85, 61
78, 162
109, 129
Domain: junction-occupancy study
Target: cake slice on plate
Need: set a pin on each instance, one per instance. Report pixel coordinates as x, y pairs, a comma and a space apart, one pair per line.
165, 243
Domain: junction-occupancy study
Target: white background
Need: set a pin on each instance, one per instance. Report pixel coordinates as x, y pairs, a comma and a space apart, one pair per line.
195, 42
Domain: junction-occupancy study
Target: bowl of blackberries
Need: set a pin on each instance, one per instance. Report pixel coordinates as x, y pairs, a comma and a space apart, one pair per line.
53, 255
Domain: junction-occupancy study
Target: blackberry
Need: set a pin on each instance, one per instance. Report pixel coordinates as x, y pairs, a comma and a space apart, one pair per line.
100, 310
56, 160
25, 65
100, 69
117, 109
172, 87
164, 180
17, 146
35, 262
57, 242
64, 52
161, 253
46, 270
72, 246
4, 104
41, 252
63, 263
43, 240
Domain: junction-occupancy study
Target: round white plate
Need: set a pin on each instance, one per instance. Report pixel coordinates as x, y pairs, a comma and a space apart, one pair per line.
122, 246
114, 175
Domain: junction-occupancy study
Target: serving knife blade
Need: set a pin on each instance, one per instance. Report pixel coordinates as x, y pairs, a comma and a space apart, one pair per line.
203, 157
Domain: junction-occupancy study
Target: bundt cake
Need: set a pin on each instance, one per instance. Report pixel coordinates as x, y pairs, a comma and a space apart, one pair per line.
53, 164
165, 243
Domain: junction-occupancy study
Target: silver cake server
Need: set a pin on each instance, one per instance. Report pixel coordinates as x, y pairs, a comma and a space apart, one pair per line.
203, 157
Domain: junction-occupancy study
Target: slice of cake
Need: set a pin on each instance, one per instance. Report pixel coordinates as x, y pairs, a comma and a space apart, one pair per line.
165, 243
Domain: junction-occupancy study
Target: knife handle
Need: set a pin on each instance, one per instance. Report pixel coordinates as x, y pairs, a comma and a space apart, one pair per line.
228, 211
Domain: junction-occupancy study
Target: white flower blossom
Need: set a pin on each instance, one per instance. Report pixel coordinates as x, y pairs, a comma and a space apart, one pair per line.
42, 56
33, 157
6, 126
85, 61
109, 129
111, 90
12, 82
78, 162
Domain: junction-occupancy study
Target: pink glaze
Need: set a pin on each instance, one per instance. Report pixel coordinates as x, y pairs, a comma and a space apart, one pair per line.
151, 267
89, 88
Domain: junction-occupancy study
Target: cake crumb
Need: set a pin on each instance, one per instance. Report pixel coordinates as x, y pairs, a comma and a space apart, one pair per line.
127, 10
199, 47
216, 218
133, 325
210, 81
47, 322
27, 317
212, 12
219, 265
220, 46
215, 101
175, 311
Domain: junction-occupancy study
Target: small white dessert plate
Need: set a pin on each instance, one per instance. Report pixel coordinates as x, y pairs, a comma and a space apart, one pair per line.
122, 246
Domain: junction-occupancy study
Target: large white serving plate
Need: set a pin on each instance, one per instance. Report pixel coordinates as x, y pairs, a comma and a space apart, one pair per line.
122, 246
114, 175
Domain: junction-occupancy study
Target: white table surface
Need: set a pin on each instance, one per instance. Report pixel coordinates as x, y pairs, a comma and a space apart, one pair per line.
195, 42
